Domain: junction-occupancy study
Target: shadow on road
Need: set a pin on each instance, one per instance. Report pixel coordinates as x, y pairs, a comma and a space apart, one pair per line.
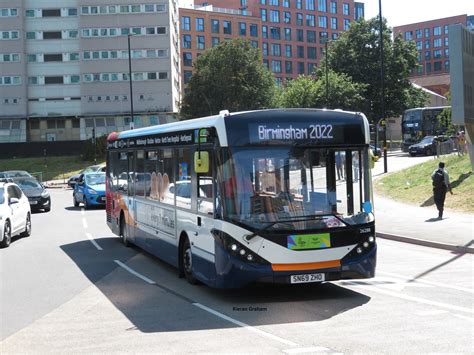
167, 306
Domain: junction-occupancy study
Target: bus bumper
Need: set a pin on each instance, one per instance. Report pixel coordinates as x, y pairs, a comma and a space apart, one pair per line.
232, 272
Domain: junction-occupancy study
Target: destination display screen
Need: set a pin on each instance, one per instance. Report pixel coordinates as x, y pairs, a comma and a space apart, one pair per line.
288, 127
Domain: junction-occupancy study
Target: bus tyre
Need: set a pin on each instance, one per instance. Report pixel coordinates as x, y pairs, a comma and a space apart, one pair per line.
187, 262
27, 231
124, 231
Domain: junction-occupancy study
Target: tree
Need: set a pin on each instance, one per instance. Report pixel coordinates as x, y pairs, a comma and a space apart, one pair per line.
357, 53
230, 77
305, 91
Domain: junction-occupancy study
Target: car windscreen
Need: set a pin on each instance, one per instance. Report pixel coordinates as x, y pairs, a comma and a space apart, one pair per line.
95, 179
26, 184
427, 140
2, 195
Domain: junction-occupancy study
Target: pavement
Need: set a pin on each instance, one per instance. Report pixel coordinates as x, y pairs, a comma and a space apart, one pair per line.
409, 223
419, 225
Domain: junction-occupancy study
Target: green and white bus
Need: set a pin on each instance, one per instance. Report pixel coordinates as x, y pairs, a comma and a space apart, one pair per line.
248, 197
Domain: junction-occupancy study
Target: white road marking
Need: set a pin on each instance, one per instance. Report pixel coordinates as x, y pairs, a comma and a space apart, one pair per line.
133, 272
431, 313
471, 319
246, 326
315, 349
432, 283
411, 298
394, 284
83, 212
84, 223
89, 236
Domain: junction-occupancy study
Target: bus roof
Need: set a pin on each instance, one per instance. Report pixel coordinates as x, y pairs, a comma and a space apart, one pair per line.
229, 122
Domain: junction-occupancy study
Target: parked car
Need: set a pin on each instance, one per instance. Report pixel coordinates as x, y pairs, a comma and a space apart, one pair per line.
89, 190
15, 214
14, 174
90, 169
36, 192
428, 146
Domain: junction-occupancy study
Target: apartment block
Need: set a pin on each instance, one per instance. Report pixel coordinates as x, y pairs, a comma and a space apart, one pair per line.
432, 41
290, 33
64, 67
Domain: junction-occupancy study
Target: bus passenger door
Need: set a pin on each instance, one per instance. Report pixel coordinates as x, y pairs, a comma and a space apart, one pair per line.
131, 204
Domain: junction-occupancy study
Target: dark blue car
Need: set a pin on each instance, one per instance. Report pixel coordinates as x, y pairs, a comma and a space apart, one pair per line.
89, 190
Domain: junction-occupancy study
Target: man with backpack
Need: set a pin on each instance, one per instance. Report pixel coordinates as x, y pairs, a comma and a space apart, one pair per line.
441, 185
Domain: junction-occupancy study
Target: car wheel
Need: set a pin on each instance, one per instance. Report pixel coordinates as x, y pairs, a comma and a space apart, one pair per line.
429, 152
27, 231
7, 235
74, 200
187, 262
124, 232
86, 204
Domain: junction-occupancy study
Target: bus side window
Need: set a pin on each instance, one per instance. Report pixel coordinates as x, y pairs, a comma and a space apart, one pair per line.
150, 171
205, 190
167, 176
181, 189
121, 172
139, 178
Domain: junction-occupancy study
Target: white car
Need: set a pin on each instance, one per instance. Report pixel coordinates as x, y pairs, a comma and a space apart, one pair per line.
15, 214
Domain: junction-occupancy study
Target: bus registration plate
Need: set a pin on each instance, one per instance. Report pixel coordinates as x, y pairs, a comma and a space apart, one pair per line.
298, 279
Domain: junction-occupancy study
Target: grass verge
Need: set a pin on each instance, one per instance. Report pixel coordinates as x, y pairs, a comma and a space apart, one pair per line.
49, 168
413, 185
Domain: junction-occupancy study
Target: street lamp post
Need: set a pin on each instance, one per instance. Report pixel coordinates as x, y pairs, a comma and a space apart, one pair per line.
382, 94
327, 76
130, 81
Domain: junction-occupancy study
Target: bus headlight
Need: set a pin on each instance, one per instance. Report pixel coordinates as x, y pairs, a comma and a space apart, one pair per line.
235, 248
371, 239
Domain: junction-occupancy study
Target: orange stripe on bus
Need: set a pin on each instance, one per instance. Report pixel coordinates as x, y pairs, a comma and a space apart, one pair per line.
306, 266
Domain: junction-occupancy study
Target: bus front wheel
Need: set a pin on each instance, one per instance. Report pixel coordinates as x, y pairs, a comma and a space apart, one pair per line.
124, 231
187, 262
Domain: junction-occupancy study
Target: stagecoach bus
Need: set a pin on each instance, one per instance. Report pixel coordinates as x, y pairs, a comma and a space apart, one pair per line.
248, 197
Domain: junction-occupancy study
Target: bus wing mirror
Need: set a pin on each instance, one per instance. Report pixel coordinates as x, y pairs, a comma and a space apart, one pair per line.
201, 162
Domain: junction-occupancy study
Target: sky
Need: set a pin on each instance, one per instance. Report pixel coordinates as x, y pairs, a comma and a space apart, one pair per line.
403, 12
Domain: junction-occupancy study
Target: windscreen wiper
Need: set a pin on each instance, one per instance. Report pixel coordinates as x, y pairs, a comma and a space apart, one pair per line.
300, 219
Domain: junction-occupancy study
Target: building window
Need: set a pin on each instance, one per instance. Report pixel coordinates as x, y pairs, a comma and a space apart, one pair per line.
345, 9
446, 65
53, 80
287, 34
227, 27
322, 5
288, 51
274, 16
287, 17
427, 44
437, 66
299, 4
215, 26
200, 42
286, 3
333, 7
187, 59
264, 32
253, 30
311, 52
263, 15
52, 35
408, 35
187, 76
186, 23
288, 67
309, 5
275, 33
242, 29
276, 50
446, 41
437, 53
347, 23
446, 29
419, 45
300, 67
51, 12
276, 66
333, 23
418, 33
446, 52
215, 41
323, 21
53, 58
187, 41
310, 20
299, 51
427, 32
311, 36
299, 19
437, 32
265, 49
199, 24
300, 35
427, 55
437, 42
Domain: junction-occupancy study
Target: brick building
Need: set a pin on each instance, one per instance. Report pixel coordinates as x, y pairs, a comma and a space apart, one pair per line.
432, 41
291, 34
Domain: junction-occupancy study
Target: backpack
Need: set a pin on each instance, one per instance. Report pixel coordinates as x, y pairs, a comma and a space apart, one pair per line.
438, 179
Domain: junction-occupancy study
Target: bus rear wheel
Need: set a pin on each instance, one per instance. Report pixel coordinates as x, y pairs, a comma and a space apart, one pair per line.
187, 262
124, 231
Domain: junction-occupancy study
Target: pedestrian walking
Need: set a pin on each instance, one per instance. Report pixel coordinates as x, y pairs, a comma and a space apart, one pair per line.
339, 166
462, 143
441, 185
